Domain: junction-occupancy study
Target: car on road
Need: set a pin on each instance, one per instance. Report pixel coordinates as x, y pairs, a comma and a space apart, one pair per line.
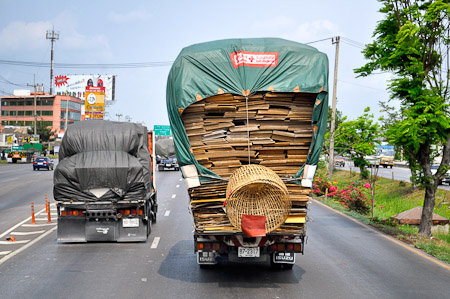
170, 163
445, 179
339, 161
43, 162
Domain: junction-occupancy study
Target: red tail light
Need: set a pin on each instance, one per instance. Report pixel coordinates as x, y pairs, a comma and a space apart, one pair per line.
133, 212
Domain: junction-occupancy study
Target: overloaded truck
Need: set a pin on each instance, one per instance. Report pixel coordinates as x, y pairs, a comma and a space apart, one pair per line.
104, 184
248, 119
165, 154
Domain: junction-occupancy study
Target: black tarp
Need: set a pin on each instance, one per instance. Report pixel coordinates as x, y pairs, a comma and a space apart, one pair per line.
165, 148
103, 154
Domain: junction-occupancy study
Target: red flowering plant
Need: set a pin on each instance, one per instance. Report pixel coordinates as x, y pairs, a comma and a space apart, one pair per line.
321, 184
353, 198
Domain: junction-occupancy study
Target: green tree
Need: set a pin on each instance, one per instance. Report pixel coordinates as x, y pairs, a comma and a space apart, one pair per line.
45, 133
412, 41
358, 138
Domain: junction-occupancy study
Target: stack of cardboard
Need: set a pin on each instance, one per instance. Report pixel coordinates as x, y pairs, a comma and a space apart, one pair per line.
225, 132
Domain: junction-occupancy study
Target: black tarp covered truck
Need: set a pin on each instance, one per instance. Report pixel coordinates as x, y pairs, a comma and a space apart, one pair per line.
243, 102
103, 184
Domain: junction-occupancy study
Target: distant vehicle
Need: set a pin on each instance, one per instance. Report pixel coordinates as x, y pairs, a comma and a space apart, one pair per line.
43, 162
339, 161
386, 153
170, 163
374, 161
446, 179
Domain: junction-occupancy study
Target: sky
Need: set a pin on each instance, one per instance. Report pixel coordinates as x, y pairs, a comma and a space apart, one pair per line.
112, 32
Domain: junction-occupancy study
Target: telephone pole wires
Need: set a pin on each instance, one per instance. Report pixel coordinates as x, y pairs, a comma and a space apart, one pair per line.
52, 35
336, 41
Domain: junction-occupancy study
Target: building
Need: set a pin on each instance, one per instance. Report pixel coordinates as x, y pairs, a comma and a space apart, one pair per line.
17, 110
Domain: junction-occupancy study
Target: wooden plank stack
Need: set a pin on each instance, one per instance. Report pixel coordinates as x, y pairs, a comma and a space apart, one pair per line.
225, 132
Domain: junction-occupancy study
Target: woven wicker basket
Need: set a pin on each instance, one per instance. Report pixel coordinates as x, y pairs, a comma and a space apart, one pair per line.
257, 190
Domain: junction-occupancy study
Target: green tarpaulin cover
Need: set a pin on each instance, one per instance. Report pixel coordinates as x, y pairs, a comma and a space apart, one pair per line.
245, 67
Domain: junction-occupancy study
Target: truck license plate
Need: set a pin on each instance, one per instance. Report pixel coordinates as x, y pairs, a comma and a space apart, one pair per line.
130, 222
248, 252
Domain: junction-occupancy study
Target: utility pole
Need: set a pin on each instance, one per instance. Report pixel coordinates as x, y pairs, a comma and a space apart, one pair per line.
52, 35
336, 41
118, 117
67, 111
35, 86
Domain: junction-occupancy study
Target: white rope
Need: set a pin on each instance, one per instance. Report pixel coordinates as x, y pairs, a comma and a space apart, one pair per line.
248, 130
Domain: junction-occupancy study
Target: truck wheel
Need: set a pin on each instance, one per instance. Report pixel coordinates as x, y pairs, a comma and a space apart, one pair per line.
149, 227
392, 166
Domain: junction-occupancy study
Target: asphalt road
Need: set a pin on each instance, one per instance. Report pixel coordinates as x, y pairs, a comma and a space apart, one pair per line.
343, 259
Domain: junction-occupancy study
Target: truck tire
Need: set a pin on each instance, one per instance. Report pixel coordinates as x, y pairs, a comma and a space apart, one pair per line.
149, 227
392, 166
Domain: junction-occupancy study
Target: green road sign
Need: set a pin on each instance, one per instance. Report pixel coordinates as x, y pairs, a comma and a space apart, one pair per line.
162, 130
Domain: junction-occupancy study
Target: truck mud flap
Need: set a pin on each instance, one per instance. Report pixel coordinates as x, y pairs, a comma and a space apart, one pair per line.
101, 231
132, 234
70, 231
81, 230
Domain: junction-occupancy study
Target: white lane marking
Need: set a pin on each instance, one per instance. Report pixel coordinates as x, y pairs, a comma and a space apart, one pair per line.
155, 242
19, 224
181, 180
167, 213
178, 186
4, 259
36, 225
5, 252
27, 233
174, 195
41, 219
15, 242
9, 180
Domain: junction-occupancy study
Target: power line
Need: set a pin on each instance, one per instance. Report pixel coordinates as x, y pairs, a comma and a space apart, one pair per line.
320, 40
89, 65
360, 85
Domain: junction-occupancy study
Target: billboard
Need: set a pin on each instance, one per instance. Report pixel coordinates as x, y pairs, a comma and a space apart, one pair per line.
94, 104
76, 85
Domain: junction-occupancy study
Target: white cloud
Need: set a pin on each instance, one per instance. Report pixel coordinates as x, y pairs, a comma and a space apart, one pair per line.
20, 35
129, 17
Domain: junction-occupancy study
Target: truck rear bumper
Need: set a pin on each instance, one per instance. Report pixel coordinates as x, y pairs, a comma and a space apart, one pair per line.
84, 230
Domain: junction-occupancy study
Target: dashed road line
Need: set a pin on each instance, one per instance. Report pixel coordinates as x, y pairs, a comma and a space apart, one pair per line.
167, 213
178, 186
174, 195
155, 242
181, 180
27, 233
15, 242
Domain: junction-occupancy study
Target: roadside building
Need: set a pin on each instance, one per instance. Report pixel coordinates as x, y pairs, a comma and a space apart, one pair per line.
18, 110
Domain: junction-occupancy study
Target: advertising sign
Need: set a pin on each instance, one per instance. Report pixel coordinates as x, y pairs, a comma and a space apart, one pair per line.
76, 85
162, 130
94, 105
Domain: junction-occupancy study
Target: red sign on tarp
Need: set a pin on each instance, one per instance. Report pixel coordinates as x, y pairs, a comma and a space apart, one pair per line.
255, 59
253, 226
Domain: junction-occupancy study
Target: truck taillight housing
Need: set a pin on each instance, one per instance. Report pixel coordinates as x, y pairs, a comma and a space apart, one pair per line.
295, 247
209, 246
72, 213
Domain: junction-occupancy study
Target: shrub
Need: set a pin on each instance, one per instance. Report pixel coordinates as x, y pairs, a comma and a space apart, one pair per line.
321, 184
353, 199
